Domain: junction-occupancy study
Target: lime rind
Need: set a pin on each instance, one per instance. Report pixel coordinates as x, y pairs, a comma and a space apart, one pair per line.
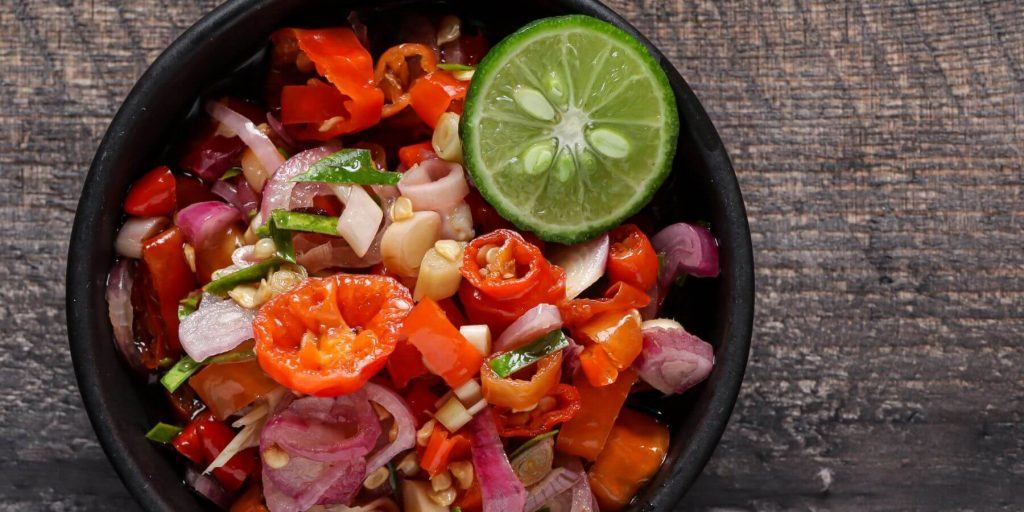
617, 65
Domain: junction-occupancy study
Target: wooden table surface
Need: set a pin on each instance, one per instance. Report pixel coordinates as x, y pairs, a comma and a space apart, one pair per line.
880, 149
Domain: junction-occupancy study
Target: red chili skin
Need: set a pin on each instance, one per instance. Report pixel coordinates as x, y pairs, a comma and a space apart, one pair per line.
631, 258
415, 153
436, 93
202, 440
171, 276
152, 195
568, 405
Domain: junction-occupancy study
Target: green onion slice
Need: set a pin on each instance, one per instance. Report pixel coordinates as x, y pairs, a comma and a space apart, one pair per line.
451, 66
163, 433
510, 362
531, 443
222, 285
188, 305
282, 240
350, 165
186, 367
311, 223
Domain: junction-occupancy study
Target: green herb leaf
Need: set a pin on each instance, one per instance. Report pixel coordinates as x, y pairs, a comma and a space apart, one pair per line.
297, 221
454, 67
223, 285
179, 373
163, 433
510, 362
231, 173
532, 442
350, 165
282, 240
188, 305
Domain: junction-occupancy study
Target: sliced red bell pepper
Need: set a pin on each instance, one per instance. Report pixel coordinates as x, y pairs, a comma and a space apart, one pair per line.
416, 153
341, 58
152, 195
585, 434
171, 277
445, 351
538, 421
443, 448
436, 93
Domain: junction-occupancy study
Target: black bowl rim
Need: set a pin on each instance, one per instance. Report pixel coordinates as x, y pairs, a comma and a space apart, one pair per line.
81, 282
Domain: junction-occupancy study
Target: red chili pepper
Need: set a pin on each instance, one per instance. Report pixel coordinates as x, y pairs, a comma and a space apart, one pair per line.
171, 276
405, 364
442, 449
434, 94
631, 258
451, 310
202, 440
340, 57
189, 190
421, 398
445, 351
542, 418
516, 278
415, 153
613, 340
619, 296
152, 195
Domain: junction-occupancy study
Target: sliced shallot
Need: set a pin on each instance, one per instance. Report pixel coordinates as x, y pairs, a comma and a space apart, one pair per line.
538, 321
686, 249
434, 184
241, 126
218, 326
501, 490
404, 420
200, 220
584, 264
135, 231
673, 360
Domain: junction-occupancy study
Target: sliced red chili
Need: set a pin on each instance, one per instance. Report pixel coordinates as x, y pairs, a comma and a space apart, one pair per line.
542, 418
152, 195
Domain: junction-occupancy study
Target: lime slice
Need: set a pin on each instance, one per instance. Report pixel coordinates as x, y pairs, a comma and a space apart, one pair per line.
569, 127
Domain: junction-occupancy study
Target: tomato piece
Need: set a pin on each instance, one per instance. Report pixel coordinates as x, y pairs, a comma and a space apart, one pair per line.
152, 195
415, 153
613, 340
586, 433
202, 440
215, 252
171, 277
228, 387
620, 296
565, 405
517, 394
328, 336
434, 93
340, 57
635, 449
445, 351
631, 257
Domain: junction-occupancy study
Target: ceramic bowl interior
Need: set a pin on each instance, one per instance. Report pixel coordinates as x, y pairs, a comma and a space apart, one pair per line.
221, 52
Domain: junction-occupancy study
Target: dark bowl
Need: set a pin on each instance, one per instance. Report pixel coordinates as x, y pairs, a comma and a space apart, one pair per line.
701, 188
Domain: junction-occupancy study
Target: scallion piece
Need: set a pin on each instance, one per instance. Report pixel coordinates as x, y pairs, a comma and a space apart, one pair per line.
231, 173
350, 165
186, 367
163, 433
510, 362
451, 66
188, 305
222, 285
532, 442
282, 240
311, 223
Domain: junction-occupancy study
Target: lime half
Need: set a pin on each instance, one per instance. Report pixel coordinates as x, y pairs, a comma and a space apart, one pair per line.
569, 127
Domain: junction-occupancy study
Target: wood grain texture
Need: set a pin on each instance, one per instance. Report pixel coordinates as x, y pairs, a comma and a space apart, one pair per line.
880, 148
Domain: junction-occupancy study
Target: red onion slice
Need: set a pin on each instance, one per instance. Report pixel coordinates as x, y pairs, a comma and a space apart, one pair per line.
434, 185
319, 252
360, 220
208, 488
218, 326
501, 490
119, 309
672, 359
404, 419
583, 263
135, 231
240, 196
686, 249
278, 128
538, 321
277, 192
257, 141
555, 483
200, 220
